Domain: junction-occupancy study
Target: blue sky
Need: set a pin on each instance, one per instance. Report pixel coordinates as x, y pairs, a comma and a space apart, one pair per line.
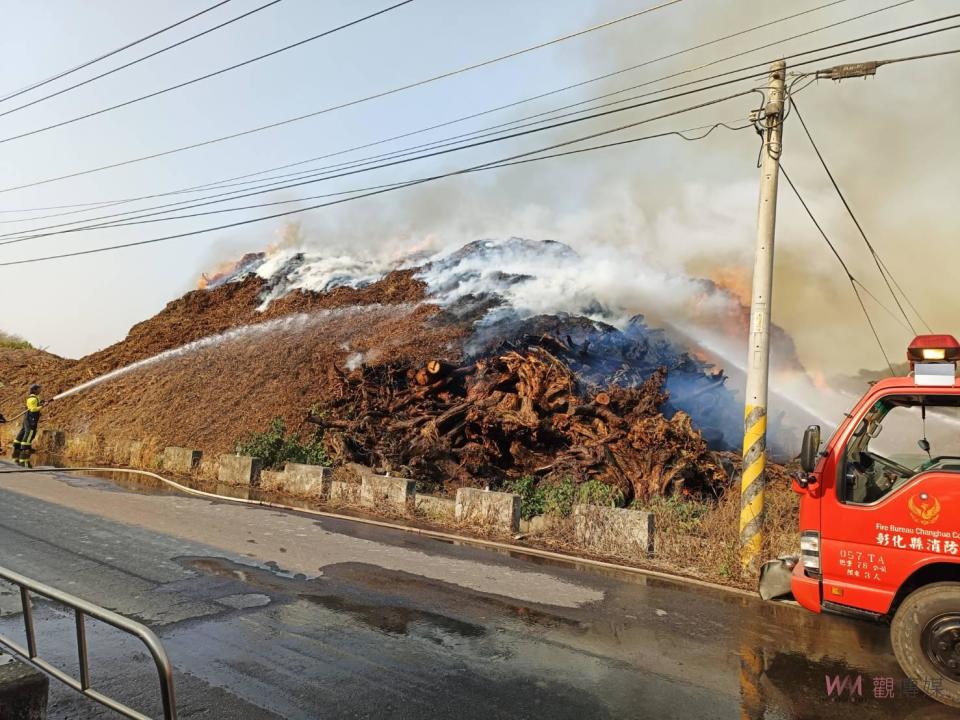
75, 306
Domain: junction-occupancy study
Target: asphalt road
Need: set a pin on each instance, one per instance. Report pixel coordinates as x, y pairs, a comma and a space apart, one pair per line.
279, 615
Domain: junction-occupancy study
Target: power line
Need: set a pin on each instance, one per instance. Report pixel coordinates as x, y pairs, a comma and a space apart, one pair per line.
141, 59
419, 181
391, 163
310, 173
884, 272
272, 187
97, 59
140, 219
207, 76
586, 82
287, 121
351, 169
488, 111
852, 70
853, 281
281, 186
706, 130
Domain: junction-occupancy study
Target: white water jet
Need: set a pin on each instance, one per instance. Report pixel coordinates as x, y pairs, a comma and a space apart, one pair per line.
297, 322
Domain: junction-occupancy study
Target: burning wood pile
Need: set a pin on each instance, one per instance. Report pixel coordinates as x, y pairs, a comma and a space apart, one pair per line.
515, 413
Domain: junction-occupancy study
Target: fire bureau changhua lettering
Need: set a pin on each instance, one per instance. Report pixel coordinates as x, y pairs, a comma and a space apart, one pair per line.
880, 516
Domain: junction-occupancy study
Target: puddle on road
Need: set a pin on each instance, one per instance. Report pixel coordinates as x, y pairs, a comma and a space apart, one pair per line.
774, 658
397, 619
782, 658
391, 618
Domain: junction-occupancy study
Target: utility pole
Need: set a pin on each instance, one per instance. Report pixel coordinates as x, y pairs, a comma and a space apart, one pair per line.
758, 358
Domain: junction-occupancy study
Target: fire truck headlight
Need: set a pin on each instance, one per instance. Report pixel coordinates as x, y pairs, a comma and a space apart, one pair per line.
810, 549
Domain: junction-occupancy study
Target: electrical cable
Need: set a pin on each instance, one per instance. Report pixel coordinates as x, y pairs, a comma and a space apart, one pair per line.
20, 236
207, 76
706, 130
87, 207
419, 181
105, 203
884, 273
582, 83
520, 131
287, 121
140, 59
311, 173
853, 281
129, 45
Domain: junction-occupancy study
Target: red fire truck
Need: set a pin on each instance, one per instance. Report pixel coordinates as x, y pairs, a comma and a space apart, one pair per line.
880, 516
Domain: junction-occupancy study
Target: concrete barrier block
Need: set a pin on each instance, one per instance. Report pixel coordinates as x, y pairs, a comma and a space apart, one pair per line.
307, 480
436, 507
344, 493
387, 492
52, 441
181, 460
613, 530
272, 480
86, 446
538, 524
23, 691
239, 470
481, 507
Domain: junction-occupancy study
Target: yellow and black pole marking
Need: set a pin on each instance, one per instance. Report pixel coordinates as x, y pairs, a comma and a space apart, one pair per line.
751, 483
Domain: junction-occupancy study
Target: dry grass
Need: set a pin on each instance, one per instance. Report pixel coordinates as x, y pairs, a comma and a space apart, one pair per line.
86, 447
703, 539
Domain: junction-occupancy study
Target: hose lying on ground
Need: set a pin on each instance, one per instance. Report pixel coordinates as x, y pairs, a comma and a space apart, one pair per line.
436, 534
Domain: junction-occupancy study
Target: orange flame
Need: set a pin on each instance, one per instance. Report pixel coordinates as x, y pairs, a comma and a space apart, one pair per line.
218, 273
735, 279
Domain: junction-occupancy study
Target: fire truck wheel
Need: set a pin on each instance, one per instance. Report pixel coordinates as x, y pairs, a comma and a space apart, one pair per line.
926, 640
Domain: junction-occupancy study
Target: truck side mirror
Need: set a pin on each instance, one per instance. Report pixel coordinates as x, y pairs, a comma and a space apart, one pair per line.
810, 448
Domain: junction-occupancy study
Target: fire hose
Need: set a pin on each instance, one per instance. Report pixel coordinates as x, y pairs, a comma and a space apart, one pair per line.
19, 415
423, 532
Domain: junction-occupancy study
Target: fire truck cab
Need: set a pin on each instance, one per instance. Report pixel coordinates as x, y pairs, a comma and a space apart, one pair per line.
880, 516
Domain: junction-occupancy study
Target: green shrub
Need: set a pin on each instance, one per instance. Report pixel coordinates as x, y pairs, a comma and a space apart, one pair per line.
13, 342
677, 511
558, 496
532, 500
595, 492
276, 447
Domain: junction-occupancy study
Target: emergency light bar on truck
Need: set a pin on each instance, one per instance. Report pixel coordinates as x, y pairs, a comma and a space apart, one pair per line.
933, 359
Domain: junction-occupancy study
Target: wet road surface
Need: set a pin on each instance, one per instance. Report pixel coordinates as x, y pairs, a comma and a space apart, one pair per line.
278, 615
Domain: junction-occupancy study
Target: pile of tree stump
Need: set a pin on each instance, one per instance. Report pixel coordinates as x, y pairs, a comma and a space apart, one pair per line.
521, 412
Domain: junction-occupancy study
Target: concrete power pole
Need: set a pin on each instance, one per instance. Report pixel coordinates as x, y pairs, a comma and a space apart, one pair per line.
758, 358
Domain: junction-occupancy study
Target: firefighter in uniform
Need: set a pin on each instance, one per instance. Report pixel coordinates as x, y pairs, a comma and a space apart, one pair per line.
31, 418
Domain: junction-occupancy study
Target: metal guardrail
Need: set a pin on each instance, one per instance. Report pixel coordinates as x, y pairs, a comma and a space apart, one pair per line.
81, 609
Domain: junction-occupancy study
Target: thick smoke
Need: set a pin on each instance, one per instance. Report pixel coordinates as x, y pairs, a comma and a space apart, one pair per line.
655, 223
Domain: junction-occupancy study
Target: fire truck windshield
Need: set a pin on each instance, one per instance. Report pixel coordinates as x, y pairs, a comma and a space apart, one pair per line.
900, 437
